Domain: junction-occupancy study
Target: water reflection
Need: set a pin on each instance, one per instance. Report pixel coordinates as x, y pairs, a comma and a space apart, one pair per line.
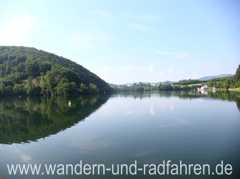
24, 120
238, 105
221, 95
147, 127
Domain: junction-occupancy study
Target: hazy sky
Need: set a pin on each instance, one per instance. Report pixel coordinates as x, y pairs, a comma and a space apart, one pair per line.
131, 40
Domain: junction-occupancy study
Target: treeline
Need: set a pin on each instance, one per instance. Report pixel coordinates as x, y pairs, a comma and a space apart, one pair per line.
155, 87
135, 87
176, 87
28, 71
225, 83
55, 83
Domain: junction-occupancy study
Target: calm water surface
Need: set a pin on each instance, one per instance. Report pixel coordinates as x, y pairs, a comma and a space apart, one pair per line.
119, 129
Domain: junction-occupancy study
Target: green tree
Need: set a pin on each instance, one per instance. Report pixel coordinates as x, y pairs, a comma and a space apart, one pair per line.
237, 75
83, 88
19, 89
93, 88
29, 86
66, 88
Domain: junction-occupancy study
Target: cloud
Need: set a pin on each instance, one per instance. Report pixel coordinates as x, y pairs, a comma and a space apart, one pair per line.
183, 55
161, 52
147, 18
140, 27
87, 40
180, 55
150, 68
103, 13
17, 31
143, 22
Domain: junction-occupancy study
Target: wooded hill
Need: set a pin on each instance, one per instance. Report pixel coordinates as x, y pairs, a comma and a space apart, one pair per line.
28, 71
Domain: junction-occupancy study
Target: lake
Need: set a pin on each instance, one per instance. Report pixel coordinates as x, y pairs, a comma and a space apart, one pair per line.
122, 128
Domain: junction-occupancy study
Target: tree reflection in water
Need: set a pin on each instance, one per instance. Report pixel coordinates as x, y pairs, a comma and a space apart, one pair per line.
222, 95
24, 120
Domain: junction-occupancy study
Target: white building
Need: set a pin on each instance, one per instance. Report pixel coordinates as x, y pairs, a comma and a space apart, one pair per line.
203, 89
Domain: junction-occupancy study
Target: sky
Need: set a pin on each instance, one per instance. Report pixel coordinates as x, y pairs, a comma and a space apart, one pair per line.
126, 41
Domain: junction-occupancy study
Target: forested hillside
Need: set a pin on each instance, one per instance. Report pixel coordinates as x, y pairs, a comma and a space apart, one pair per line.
28, 71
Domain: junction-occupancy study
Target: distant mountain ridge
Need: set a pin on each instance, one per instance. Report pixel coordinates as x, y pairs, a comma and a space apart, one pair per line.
205, 78
213, 77
186, 84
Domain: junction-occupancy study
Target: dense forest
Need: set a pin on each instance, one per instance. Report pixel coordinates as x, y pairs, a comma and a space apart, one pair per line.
32, 72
